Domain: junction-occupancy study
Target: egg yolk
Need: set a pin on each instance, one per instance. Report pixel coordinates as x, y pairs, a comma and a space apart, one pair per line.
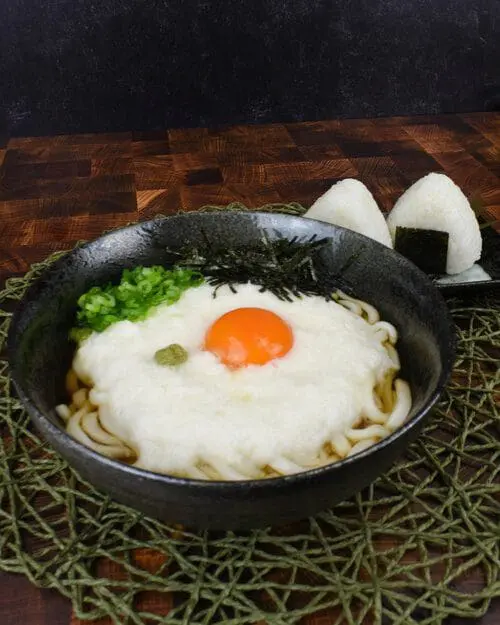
249, 336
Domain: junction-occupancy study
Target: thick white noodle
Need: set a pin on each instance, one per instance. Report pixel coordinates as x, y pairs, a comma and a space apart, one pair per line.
340, 444
286, 466
372, 431
76, 428
366, 309
385, 332
401, 407
393, 355
361, 446
352, 306
372, 412
64, 412
92, 426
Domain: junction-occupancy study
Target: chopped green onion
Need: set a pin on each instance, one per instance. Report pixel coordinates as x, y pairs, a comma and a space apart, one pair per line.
139, 290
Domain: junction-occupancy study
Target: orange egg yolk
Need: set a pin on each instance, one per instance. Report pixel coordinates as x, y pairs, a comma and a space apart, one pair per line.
249, 336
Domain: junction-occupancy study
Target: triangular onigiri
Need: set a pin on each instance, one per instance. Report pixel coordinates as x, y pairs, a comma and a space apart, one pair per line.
435, 202
350, 204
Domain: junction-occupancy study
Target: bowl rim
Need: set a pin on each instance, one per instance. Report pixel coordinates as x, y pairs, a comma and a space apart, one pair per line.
39, 416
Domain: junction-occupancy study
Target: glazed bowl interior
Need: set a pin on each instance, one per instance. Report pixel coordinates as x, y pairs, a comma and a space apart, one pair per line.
40, 355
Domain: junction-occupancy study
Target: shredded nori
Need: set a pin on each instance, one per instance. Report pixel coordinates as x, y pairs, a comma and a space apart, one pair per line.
286, 267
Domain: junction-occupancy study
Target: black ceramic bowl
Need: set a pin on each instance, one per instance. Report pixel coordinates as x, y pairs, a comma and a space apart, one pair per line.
40, 355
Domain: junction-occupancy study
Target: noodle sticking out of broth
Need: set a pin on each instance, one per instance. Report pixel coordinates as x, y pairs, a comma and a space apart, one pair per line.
380, 407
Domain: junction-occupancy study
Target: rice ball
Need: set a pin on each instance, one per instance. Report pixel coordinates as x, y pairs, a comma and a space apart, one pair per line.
435, 202
350, 204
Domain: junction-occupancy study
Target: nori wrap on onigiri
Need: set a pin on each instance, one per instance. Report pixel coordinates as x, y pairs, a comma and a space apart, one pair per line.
428, 249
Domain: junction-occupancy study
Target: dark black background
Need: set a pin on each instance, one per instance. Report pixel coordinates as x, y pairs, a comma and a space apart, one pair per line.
102, 65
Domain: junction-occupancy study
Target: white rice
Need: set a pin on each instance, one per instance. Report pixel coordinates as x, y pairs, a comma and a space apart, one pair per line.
350, 204
435, 202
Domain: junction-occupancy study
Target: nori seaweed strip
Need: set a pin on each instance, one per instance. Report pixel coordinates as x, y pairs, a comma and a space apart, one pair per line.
428, 249
287, 268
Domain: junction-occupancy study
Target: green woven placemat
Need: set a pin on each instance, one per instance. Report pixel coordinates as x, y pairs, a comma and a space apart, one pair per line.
421, 544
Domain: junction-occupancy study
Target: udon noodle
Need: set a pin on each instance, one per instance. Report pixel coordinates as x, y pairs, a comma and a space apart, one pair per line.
386, 412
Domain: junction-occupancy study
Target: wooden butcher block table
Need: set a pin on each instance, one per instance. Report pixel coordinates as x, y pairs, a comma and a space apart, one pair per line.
56, 191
